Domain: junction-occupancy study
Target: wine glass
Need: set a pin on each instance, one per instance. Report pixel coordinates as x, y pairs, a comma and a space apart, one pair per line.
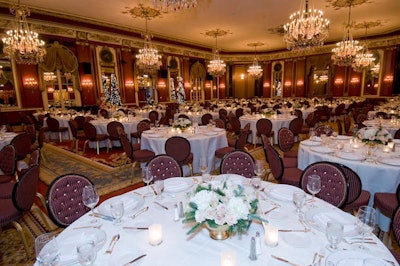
117, 211
259, 168
314, 186
46, 249
366, 220
334, 234
312, 134
147, 178
299, 198
86, 253
203, 167
159, 187
90, 197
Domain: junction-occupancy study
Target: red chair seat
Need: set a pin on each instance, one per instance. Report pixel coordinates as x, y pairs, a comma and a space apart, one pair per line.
61, 129
289, 162
291, 176
231, 142
290, 154
136, 146
8, 212
189, 159
386, 203
101, 137
6, 190
143, 155
362, 200
221, 152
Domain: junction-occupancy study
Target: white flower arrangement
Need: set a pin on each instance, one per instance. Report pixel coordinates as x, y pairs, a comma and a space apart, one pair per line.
182, 123
374, 134
222, 203
268, 111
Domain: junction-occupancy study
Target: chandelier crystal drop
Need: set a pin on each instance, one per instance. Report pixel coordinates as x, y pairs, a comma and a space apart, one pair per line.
22, 44
216, 67
363, 61
306, 29
167, 6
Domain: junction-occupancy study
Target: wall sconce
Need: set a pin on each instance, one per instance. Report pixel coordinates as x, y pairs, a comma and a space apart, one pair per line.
208, 85
388, 78
267, 85
187, 85
242, 76
87, 84
30, 83
300, 83
338, 81
70, 89
50, 89
355, 80
222, 86
288, 83
129, 84
161, 84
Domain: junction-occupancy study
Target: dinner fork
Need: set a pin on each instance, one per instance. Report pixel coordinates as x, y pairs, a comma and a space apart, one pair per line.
114, 241
321, 256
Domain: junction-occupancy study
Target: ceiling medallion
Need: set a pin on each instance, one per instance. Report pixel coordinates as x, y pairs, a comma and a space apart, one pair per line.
306, 29
167, 6
216, 67
255, 70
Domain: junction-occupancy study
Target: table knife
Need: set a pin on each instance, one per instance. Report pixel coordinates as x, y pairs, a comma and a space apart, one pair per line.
284, 260
102, 216
162, 206
136, 259
135, 228
140, 212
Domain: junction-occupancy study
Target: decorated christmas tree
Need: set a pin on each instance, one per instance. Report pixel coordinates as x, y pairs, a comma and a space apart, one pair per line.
105, 87
180, 91
114, 98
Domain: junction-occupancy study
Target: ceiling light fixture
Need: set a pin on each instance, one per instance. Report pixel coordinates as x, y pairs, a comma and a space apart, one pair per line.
216, 67
306, 29
364, 59
345, 52
167, 6
22, 44
255, 70
148, 59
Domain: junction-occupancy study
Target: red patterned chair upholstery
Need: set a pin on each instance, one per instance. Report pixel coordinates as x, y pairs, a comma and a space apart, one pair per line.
205, 119
164, 166
286, 142
112, 130
141, 126
264, 127
53, 126
238, 162
7, 163
396, 231
91, 135
179, 148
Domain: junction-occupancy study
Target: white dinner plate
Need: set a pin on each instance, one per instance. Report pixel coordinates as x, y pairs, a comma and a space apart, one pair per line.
282, 192
68, 242
217, 129
234, 178
126, 255
322, 149
155, 135
149, 131
350, 156
308, 142
295, 239
210, 133
131, 202
318, 218
390, 161
352, 258
177, 184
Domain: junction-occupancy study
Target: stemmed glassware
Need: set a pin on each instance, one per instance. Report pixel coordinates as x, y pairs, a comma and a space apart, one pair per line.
90, 197
203, 167
334, 234
313, 186
299, 198
259, 168
147, 178
159, 187
366, 221
117, 211
46, 249
86, 253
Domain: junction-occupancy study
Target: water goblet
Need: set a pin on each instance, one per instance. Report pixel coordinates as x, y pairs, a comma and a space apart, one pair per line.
313, 186
256, 182
159, 187
312, 134
46, 249
366, 221
299, 198
90, 197
117, 211
259, 168
203, 167
334, 234
147, 178
86, 253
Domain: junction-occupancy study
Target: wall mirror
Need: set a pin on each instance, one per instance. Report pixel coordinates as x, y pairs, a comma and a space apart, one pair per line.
320, 78
107, 65
371, 76
277, 77
8, 84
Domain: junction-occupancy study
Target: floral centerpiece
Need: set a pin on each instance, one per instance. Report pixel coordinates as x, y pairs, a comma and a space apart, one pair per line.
268, 111
222, 204
118, 115
182, 123
374, 135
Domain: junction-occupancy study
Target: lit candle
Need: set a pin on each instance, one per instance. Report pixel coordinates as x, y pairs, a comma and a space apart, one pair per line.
228, 258
155, 234
391, 145
271, 235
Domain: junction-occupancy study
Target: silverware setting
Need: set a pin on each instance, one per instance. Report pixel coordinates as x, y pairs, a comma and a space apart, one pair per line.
270, 210
134, 260
321, 255
102, 216
350, 242
153, 189
284, 260
294, 230
162, 206
89, 226
135, 228
111, 246
145, 209
315, 257
137, 193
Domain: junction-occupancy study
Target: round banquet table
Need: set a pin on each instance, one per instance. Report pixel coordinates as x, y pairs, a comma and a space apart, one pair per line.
278, 122
388, 124
178, 248
6, 138
202, 144
381, 174
63, 122
195, 117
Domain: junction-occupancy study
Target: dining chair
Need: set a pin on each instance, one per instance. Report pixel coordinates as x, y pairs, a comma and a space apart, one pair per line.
296, 126
179, 148
219, 123
239, 112
205, 119
339, 126
80, 121
239, 145
234, 124
22, 199
334, 185
396, 232
92, 136
141, 126
286, 142
323, 129
54, 127
23, 146
339, 111
286, 174
76, 134
357, 196
238, 162
64, 198
134, 156
112, 130
346, 124
153, 116
397, 134
264, 126
183, 116
104, 113
223, 114
31, 131
164, 166
34, 159
8, 163
298, 113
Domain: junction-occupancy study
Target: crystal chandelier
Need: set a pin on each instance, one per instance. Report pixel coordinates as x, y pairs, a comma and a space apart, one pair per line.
255, 69
22, 44
167, 6
148, 59
345, 52
364, 59
216, 67
306, 29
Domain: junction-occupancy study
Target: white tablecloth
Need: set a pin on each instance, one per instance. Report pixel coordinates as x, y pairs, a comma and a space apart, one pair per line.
6, 139
277, 123
63, 122
196, 117
375, 176
145, 113
202, 145
199, 249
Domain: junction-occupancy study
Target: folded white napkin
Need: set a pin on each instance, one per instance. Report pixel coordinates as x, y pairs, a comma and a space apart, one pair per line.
129, 204
324, 217
282, 192
173, 184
